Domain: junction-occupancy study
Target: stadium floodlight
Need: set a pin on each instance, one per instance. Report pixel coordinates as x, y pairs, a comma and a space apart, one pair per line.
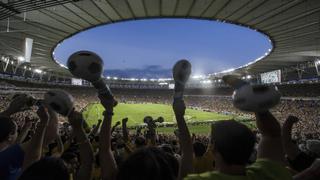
115, 78
228, 70
108, 77
249, 77
21, 58
39, 71
181, 72
197, 77
89, 66
205, 82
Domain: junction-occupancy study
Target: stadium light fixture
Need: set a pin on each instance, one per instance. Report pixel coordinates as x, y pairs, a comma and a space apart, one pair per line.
115, 78
197, 77
163, 83
228, 70
108, 77
21, 58
39, 71
249, 77
206, 81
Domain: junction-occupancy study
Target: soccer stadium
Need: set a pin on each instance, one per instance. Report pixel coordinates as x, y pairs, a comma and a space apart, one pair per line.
160, 89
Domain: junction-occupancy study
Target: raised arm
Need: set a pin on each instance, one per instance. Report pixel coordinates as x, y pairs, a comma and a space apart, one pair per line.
184, 139
291, 149
115, 126
33, 148
107, 161
95, 130
59, 145
125, 130
270, 146
52, 132
24, 132
86, 152
311, 173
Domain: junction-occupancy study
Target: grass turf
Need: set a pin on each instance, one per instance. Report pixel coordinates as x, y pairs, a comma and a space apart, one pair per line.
136, 113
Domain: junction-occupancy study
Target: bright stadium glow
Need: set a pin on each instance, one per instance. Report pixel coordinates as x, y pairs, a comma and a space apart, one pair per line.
21, 58
39, 71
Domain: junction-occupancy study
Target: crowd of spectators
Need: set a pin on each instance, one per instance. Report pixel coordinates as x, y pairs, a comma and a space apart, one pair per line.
67, 150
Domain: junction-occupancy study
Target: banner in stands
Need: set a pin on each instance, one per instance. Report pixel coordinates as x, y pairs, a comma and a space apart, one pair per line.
271, 77
77, 82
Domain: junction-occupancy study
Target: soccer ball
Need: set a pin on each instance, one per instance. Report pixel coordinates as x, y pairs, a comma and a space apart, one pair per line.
60, 101
256, 98
181, 71
85, 65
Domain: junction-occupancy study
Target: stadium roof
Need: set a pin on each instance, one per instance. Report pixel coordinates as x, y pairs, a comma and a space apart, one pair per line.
292, 25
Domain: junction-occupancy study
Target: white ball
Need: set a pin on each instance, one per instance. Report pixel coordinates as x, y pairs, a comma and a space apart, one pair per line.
181, 71
60, 101
256, 98
85, 65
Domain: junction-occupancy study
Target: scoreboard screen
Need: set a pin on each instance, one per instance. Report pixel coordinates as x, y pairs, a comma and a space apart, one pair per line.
271, 77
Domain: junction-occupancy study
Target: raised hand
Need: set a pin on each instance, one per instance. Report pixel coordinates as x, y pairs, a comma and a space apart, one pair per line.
75, 119
125, 120
107, 103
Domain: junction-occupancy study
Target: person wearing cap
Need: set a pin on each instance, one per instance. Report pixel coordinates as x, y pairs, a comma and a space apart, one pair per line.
233, 144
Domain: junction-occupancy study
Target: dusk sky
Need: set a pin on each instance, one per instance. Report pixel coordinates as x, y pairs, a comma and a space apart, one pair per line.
157, 44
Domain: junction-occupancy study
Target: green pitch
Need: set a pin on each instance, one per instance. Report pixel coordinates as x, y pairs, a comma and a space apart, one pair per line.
136, 113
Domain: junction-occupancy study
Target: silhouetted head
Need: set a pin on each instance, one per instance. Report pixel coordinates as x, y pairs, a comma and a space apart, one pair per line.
46, 168
149, 164
233, 141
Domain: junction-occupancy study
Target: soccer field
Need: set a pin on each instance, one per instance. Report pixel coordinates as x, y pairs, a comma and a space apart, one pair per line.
136, 113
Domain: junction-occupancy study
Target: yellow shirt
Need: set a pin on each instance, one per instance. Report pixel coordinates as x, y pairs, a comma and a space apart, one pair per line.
262, 169
203, 163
